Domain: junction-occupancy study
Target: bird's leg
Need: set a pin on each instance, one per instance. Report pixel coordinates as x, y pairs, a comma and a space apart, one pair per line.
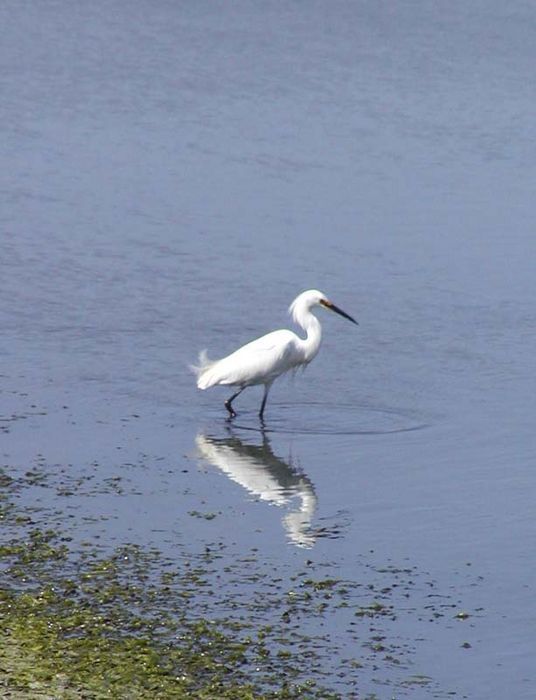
229, 402
263, 404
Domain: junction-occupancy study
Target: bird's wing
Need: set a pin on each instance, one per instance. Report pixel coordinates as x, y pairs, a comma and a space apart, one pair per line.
258, 362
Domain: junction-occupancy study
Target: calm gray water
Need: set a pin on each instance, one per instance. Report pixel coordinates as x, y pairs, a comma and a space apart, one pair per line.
173, 174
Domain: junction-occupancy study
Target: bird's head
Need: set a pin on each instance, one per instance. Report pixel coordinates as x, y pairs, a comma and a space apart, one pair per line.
312, 297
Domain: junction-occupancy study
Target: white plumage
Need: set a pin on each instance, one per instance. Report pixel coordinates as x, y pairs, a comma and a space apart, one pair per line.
265, 359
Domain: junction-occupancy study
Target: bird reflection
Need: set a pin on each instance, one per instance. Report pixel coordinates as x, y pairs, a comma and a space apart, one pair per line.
257, 469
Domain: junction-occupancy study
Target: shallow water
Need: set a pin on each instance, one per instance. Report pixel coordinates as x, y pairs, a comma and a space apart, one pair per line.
174, 174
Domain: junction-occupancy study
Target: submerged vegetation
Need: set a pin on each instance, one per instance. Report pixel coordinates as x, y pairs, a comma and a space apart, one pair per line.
118, 627
56, 643
82, 620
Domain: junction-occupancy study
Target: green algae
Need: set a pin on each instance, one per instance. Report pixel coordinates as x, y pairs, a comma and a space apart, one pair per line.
79, 620
78, 653
77, 624
103, 631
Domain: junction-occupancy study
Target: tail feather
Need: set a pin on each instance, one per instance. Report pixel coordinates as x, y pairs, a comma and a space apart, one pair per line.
202, 370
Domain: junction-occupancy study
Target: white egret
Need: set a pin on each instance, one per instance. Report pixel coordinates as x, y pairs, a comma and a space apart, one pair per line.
265, 359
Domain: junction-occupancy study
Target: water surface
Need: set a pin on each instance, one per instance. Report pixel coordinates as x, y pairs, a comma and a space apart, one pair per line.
173, 175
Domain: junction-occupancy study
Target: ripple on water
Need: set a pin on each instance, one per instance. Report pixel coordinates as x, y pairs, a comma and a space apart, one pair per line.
323, 418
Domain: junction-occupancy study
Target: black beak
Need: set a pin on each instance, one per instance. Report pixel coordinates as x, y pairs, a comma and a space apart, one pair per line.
332, 307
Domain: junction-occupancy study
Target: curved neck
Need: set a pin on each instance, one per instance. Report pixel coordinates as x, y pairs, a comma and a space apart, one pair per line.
311, 325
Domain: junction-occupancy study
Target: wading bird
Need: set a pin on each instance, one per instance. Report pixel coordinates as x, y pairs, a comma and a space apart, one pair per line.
265, 359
